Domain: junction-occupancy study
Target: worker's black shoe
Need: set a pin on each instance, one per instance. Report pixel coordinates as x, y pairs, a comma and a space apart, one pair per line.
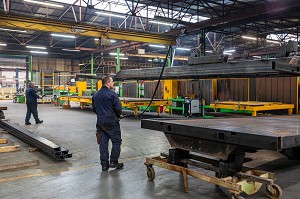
105, 168
27, 123
117, 165
39, 121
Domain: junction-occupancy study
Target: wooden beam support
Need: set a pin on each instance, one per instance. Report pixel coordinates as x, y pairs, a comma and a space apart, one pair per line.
18, 165
5, 149
3, 141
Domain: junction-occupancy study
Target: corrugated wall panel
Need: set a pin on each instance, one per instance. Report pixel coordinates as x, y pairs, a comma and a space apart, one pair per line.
232, 89
277, 89
129, 89
149, 88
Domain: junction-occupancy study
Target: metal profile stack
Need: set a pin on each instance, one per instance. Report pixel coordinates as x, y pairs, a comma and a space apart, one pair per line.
237, 69
48, 147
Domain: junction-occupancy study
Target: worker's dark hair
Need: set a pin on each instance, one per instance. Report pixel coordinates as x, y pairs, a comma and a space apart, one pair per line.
30, 84
105, 80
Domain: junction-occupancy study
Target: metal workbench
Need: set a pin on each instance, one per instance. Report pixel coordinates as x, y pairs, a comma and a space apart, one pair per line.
220, 145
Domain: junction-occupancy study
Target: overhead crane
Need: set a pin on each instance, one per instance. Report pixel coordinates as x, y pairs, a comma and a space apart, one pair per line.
48, 25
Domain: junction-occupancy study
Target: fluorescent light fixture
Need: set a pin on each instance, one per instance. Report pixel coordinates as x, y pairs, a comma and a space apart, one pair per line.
38, 52
250, 38
272, 41
186, 49
13, 30
37, 47
64, 36
259, 57
110, 14
1, 44
45, 3
71, 50
209, 51
121, 54
229, 51
111, 40
161, 23
122, 57
156, 46
149, 60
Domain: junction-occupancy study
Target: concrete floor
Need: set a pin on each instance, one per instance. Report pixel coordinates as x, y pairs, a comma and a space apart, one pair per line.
81, 176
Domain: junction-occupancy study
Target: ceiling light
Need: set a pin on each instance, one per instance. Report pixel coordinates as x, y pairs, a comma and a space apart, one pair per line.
149, 60
250, 38
45, 3
64, 36
1, 44
112, 41
157, 46
272, 41
186, 49
122, 57
161, 23
13, 30
72, 50
229, 51
120, 54
38, 52
37, 47
259, 57
110, 14
209, 51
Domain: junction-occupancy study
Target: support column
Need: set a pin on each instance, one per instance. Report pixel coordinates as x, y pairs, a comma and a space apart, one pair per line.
27, 71
118, 68
31, 68
92, 72
17, 79
202, 42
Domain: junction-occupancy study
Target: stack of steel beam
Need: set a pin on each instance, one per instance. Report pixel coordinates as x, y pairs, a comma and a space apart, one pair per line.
48, 147
241, 69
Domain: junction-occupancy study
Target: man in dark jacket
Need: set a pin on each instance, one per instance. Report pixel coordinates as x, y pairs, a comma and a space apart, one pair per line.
31, 102
107, 106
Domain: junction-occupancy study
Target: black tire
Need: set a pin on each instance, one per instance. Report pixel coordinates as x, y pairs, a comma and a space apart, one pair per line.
276, 192
150, 173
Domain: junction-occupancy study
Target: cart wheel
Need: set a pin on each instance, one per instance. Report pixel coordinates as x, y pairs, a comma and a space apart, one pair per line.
275, 191
237, 197
150, 173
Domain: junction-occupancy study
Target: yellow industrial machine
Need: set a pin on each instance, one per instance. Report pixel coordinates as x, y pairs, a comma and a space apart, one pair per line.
170, 89
99, 84
81, 87
7, 93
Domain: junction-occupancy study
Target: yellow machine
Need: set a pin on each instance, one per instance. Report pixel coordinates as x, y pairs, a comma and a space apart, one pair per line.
81, 87
170, 89
99, 84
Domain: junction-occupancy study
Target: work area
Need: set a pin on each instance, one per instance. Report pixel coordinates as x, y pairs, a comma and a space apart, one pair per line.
149, 99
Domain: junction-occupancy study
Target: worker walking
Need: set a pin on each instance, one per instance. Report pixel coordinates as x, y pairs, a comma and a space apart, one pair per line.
107, 106
31, 103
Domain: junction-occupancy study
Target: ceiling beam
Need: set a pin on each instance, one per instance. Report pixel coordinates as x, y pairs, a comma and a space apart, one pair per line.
268, 11
46, 25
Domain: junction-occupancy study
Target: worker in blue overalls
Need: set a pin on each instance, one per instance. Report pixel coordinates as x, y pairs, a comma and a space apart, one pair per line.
31, 103
107, 106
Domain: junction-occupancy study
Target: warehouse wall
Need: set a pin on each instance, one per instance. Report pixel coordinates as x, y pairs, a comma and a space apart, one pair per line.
129, 89
149, 88
275, 89
232, 89
59, 64
202, 89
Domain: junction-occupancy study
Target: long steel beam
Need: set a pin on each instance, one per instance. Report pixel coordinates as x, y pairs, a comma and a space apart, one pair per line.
48, 25
48, 147
242, 69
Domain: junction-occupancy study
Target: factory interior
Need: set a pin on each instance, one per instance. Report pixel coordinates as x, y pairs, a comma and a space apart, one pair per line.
209, 91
